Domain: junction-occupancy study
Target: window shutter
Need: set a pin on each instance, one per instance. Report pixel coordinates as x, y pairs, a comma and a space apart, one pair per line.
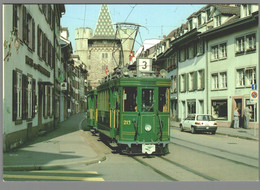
14, 17
52, 19
180, 83
43, 97
43, 45
24, 25
203, 79
24, 97
195, 84
49, 53
176, 78
48, 101
33, 98
185, 81
38, 40
14, 95
33, 35
49, 14
188, 82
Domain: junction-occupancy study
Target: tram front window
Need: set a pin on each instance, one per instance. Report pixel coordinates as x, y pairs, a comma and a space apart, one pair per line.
163, 99
129, 95
148, 100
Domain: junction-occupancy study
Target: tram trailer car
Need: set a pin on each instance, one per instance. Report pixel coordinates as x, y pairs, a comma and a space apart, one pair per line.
91, 110
133, 113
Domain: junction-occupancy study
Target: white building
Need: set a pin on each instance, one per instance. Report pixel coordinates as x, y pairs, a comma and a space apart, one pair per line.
30, 36
213, 62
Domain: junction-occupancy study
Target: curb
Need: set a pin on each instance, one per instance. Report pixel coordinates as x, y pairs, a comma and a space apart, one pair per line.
100, 157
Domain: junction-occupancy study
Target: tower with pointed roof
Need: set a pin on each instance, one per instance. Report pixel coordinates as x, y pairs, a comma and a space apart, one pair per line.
97, 49
104, 27
102, 50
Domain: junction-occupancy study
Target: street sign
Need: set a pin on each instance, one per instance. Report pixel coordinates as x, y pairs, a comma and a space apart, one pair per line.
253, 96
254, 87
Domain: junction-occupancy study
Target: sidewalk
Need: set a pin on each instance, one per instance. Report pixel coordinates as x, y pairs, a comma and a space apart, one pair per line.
67, 145
250, 134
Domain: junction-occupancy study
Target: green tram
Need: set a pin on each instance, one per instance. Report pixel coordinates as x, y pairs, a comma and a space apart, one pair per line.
133, 113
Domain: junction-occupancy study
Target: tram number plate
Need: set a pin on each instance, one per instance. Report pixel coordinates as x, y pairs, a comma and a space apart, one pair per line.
148, 148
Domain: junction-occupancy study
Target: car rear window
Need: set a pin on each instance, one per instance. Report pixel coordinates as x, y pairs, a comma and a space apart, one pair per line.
205, 118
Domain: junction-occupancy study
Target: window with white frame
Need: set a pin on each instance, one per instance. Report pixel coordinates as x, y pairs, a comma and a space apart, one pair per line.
191, 81
214, 53
223, 80
200, 47
46, 100
183, 82
200, 79
51, 100
182, 54
214, 81
30, 98
251, 42
240, 44
240, 78
223, 50
250, 76
191, 51
217, 20
19, 96
175, 84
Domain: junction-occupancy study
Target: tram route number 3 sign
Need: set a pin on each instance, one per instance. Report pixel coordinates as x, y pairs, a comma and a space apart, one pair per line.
253, 96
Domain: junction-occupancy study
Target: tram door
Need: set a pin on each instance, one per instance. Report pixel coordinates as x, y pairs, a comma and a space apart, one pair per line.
147, 110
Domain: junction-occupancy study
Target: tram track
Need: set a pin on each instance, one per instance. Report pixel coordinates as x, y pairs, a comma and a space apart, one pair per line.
174, 169
221, 150
215, 155
154, 169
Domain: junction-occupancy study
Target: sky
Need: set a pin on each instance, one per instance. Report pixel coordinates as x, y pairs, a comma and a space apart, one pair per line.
158, 19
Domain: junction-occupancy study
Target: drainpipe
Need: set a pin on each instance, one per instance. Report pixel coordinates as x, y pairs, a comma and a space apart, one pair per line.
206, 78
54, 65
177, 89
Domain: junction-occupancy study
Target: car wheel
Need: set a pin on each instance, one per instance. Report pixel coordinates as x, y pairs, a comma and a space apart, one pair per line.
213, 132
181, 128
193, 131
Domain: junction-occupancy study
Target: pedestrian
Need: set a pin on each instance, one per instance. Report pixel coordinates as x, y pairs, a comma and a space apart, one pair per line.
69, 112
236, 118
246, 117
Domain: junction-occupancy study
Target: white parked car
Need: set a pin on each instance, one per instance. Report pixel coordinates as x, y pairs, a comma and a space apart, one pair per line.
199, 123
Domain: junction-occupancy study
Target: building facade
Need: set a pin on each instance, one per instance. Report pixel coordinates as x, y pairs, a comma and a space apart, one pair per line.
213, 62
31, 50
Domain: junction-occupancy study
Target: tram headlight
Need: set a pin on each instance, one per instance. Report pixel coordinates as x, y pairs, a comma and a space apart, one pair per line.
163, 73
125, 72
148, 128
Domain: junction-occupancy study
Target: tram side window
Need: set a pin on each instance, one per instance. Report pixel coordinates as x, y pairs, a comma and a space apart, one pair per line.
148, 100
129, 96
163, 99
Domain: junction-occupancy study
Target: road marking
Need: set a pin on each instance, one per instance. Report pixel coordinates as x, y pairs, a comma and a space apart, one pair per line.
65, 172
207, 136
53, 177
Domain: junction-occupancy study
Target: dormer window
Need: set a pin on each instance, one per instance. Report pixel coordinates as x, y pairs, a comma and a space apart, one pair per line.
199, 20
208, 15
217, 20
246, 10
190, 24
